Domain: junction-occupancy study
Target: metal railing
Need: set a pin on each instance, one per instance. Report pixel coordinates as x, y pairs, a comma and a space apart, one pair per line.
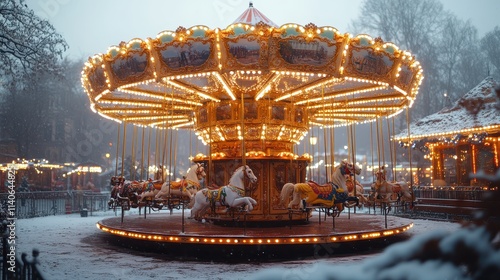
45, 203
465, 193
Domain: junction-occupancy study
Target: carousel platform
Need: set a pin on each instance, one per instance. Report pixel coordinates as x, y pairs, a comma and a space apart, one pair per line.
320, 236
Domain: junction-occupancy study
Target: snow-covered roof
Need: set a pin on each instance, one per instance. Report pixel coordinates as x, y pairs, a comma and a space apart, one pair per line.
253, 16
476, 112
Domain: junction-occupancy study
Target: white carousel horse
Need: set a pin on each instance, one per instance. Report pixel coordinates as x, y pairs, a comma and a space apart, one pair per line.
188, 186
334, 193
231, 195
383, 190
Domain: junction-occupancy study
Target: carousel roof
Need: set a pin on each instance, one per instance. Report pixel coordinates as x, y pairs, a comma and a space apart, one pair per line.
478, 111
253, 16
252, 79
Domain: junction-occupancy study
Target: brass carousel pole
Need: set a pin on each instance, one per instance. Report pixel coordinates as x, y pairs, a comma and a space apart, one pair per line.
353, 144
132, 164
142, 154
324, 136
170, 149
117, 149
149, 150
325, 155
353, 148
243, 150
332, 149
393, 164
395, 160
409, 154
382, 142
371, 147
209, 140
317, 143
157, 149
123, 147
378, 142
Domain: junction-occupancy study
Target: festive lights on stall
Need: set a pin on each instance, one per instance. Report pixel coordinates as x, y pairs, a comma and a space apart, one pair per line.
467, 131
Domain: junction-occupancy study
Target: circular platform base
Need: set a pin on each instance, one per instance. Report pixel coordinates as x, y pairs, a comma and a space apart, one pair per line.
284, 239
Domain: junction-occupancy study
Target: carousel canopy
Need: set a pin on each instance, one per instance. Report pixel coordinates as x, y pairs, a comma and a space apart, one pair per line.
252, 16
478, 111
251, 79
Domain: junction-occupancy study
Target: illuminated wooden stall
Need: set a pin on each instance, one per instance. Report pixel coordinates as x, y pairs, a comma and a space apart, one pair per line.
462, 139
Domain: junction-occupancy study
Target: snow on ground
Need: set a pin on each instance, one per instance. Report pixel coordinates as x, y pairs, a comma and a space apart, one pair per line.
71, 247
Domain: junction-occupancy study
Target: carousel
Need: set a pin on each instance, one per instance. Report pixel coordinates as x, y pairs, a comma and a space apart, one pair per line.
251, 92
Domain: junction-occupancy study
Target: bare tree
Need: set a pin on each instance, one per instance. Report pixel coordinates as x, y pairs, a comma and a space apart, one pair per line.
460, 60
27, 42
446, 46
490, 44
411, 24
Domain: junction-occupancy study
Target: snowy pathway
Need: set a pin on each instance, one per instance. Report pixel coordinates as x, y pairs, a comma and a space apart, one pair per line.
71, 247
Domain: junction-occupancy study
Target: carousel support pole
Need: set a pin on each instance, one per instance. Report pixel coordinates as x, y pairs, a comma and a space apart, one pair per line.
142, 155
133, 148
333, 219
182, 230
409, 156
117, 149
373, 163
123, 148
386, 210
319, 215
332, 149
353, 144
242, 116
123, 211
148, 153
245, 223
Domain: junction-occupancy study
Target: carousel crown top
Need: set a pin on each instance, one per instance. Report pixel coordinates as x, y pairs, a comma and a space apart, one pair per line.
252, 80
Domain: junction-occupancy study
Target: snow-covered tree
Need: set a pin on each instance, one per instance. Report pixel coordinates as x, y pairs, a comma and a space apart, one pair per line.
27, 42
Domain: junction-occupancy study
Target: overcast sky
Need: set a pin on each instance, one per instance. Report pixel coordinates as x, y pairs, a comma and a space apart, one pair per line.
91, 26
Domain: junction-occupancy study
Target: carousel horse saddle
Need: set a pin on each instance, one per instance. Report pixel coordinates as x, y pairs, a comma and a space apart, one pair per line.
316, 185
323, 189
156, 184
396, 187
178, 184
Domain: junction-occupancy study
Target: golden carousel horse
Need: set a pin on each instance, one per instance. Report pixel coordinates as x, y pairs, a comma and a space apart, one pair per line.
186, 187
332, 194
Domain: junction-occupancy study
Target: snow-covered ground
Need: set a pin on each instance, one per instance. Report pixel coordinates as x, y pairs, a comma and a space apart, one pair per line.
71, 247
